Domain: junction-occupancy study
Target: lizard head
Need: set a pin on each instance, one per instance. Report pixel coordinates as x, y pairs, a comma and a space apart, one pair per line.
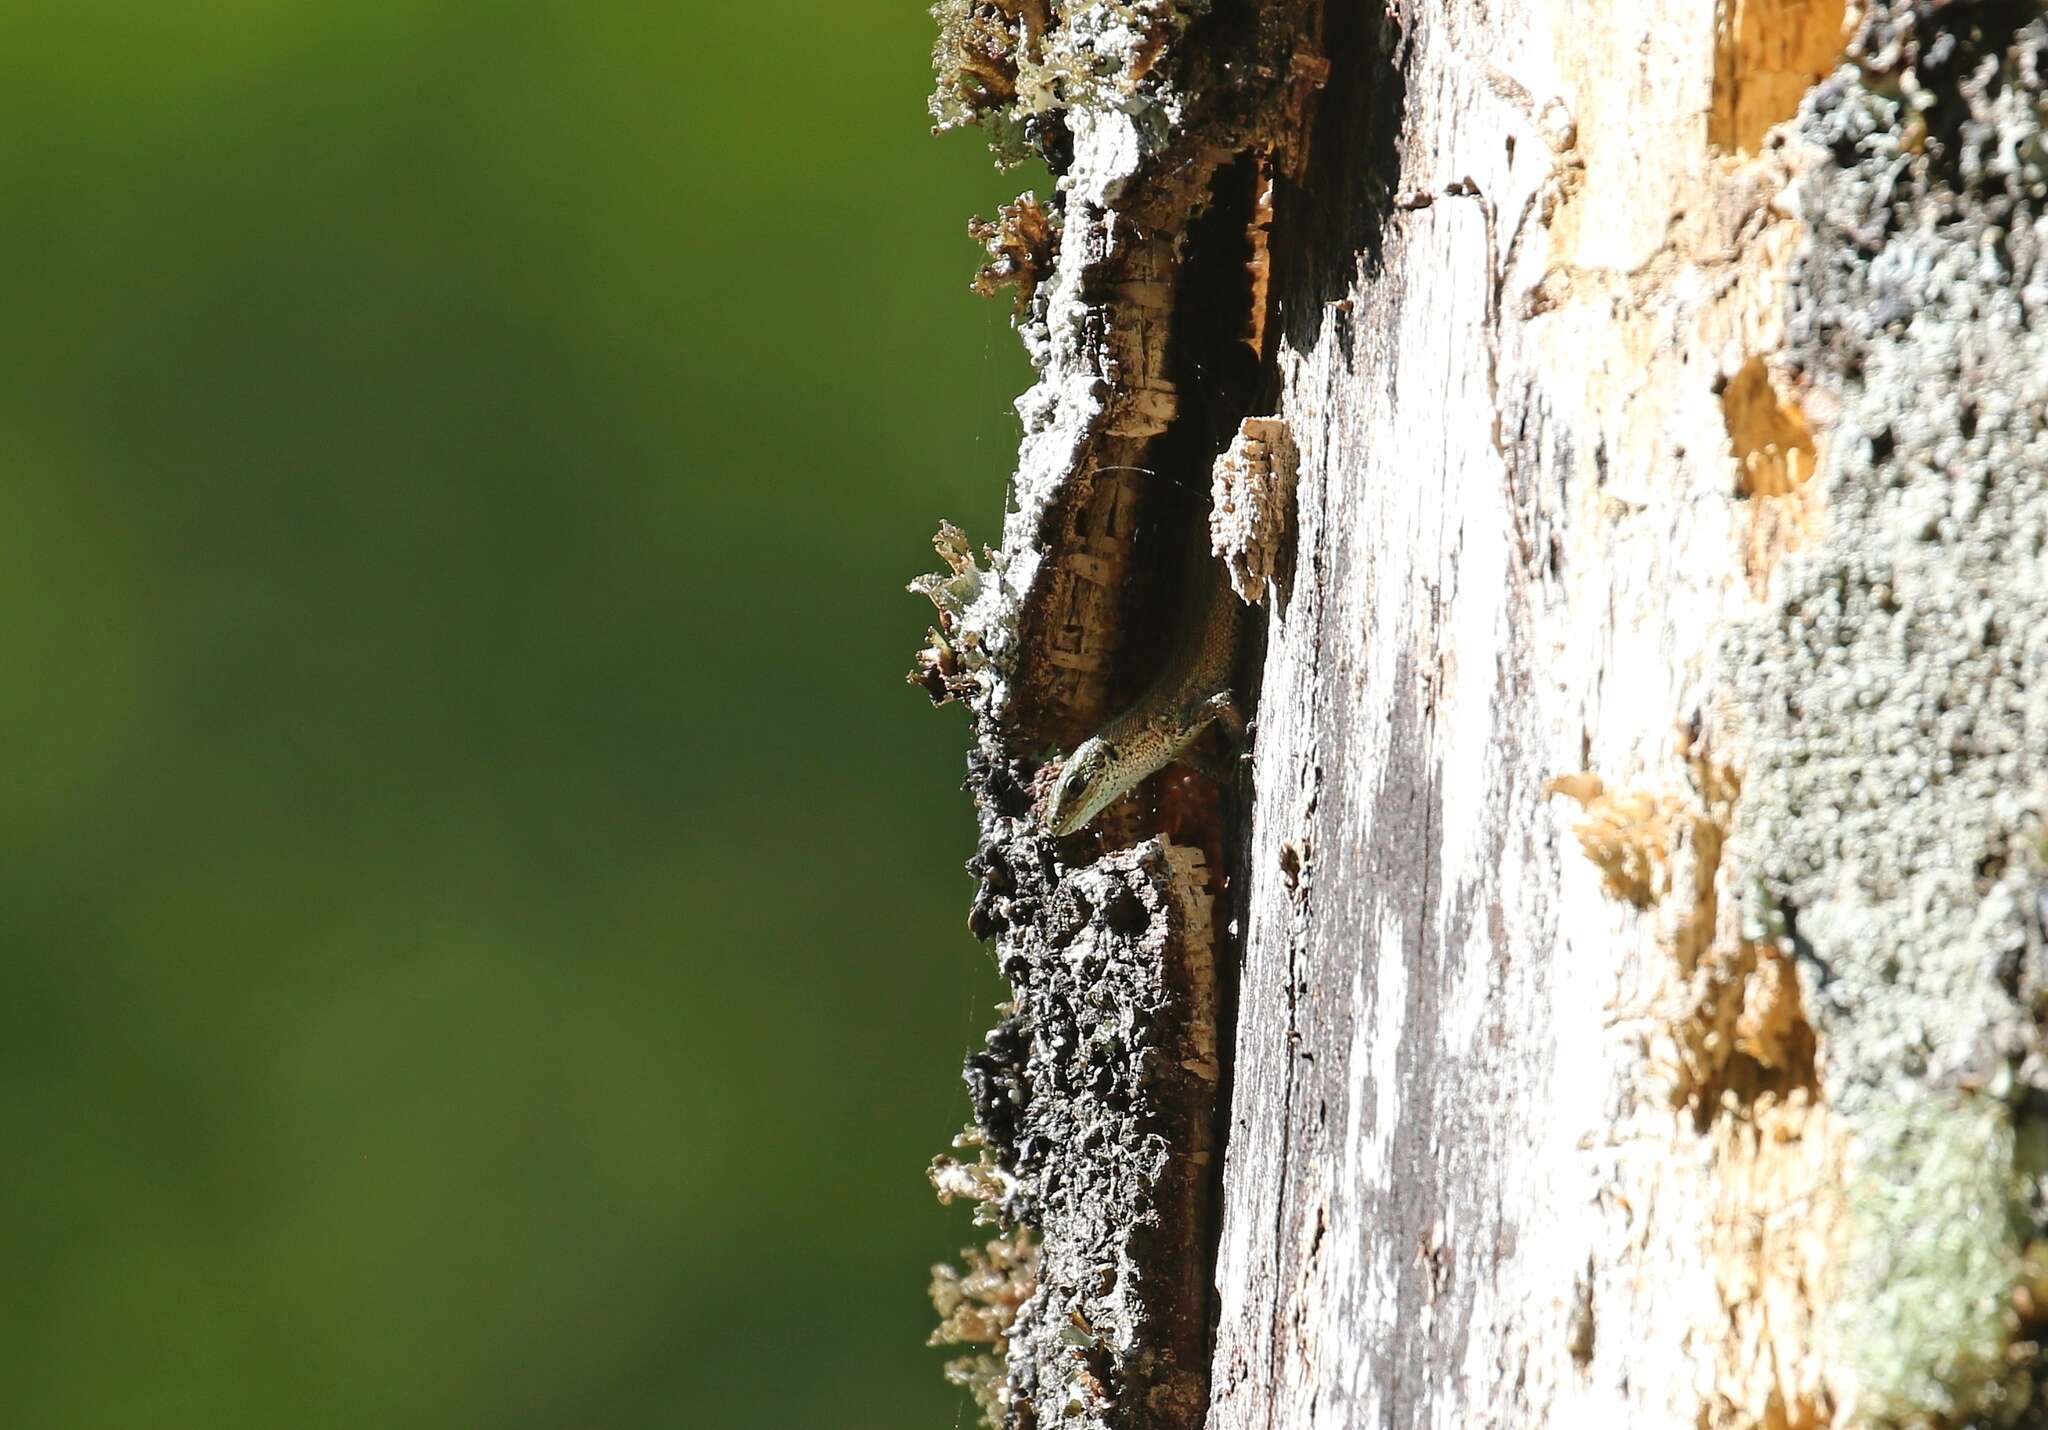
1085, 787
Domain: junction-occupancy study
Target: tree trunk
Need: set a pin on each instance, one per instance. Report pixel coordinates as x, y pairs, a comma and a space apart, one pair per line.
1627, 930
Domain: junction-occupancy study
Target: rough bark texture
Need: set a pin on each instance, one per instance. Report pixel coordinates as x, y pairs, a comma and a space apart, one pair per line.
1633, 918
1095, 1104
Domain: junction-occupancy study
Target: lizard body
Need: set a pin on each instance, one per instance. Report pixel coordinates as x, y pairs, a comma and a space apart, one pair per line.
1192, 693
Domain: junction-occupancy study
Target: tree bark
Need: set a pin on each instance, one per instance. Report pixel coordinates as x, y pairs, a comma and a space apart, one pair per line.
1629, 926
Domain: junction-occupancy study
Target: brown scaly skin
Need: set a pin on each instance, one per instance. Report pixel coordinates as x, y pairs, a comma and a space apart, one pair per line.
1192, 693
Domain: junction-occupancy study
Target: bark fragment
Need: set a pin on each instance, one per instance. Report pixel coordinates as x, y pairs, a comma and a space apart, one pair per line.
1250, 499
1096, 1095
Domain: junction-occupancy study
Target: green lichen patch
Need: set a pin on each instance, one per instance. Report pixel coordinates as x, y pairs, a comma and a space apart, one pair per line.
1938, 1256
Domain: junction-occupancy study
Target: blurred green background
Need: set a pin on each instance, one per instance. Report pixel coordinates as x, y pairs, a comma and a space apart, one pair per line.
482, 914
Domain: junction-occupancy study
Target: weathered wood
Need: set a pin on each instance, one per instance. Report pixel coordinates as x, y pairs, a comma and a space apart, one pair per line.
1527, 1124
1640, 956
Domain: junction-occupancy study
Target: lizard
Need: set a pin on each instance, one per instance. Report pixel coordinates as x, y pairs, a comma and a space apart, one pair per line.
1192, 693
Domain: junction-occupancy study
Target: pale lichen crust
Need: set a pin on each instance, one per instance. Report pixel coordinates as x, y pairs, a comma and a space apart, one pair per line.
1897, 697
